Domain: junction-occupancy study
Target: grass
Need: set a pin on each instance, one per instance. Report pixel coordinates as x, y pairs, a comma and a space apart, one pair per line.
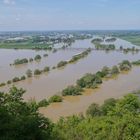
134, 39
23, 45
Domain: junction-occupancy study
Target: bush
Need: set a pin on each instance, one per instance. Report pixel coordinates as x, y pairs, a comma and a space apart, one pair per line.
43, 103
37, 57
72, 90
9, 82
115, 70
20, 61
31, 60
20, 120
29, 73
108, 105
16, 79
125, 65
37, 72
93, 110
46, 69
100, 74
61, 64
45, 55
23, 78
89, 81
55, 98
105, 70
2, 84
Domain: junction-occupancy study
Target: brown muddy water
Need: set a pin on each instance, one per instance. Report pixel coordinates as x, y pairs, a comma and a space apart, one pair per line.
112, 88
48, 84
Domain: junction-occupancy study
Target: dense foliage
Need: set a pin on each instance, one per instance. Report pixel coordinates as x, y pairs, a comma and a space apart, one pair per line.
18, 119
55, 98
125, 65
72, 90
37, 57
20, 61
61, 64
114, 120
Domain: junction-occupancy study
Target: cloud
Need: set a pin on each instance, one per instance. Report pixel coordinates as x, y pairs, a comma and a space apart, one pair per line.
9, 2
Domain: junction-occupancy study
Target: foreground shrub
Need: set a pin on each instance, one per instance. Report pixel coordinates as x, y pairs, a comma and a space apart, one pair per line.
20, 120
93, 110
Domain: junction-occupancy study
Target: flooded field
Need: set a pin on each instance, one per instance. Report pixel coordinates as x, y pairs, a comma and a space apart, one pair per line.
113, 88
53, 82
48, 84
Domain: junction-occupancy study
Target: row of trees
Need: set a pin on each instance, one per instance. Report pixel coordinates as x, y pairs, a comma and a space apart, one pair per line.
74, 58
29, 74
114, 120
25, 60
94, 80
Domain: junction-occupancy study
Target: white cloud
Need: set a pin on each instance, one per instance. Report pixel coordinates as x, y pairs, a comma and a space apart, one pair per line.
9, 2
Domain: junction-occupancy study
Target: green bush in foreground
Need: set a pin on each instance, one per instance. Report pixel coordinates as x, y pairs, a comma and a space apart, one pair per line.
19, 120
114, 120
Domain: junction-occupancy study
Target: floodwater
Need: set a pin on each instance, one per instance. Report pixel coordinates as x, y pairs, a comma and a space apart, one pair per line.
48, 84
8, 56
113, 88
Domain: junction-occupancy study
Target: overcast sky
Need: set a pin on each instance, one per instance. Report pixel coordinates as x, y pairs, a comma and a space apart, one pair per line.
69, 14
